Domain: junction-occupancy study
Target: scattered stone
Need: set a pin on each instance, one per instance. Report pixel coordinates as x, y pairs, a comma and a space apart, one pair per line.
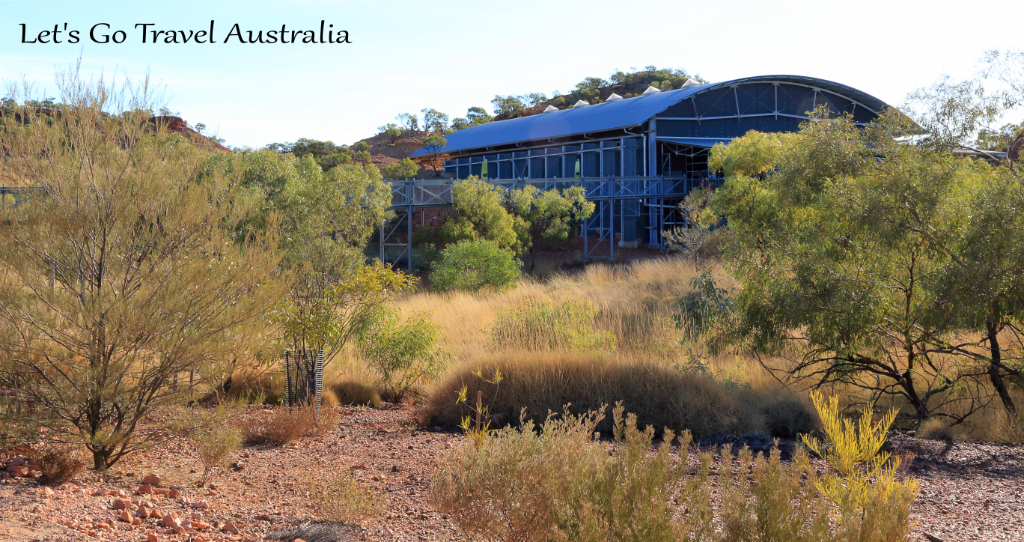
152, 480
151, 538
146, 489
47, 492
173, 493
230, 527
20, 471
125, 516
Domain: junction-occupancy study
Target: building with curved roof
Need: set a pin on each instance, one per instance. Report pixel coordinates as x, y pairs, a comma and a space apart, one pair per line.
658, 137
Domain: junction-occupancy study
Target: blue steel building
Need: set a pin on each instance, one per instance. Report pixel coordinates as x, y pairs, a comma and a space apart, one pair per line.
637, 157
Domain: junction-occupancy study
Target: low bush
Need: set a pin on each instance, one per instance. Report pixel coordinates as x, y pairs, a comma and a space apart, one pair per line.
60, 465
475, 265
935, 429
342, 498
402, 353
249, 386
542, 325
286, 424
862, 485
207, 429
350, 392
657, 394
556, 482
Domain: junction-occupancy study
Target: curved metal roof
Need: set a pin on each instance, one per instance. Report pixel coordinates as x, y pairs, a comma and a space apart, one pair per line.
617, 114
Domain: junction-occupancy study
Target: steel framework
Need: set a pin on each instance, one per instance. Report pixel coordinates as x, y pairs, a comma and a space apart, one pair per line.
658, 195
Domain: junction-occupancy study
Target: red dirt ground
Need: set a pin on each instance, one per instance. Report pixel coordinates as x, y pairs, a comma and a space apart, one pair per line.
969, 491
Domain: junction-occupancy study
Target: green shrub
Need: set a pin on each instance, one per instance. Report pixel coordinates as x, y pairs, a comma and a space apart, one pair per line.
545, 326
871, 503
401, 170
474, 266
704, 309
402, 353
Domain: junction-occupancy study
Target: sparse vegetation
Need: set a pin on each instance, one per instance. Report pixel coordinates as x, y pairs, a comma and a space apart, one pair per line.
213, 439
555, 481
286, 424
341, 498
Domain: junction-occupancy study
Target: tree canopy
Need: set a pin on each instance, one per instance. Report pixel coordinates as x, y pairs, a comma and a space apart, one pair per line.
859, 254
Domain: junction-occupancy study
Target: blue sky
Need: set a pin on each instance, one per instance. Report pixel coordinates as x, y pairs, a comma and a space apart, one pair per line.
406, 56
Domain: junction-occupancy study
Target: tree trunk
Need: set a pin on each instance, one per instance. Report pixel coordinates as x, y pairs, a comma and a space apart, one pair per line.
101, 458
994, 367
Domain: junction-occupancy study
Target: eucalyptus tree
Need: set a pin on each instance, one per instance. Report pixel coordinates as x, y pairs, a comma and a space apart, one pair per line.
325, 220
844, 239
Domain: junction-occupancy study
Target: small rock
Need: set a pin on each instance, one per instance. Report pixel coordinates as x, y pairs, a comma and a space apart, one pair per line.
264, 517
125, 516
173, 493
152, 480
229, 527
20, 471
201, 504
144, 512
151, 538
47, 492
146, 489
119, 504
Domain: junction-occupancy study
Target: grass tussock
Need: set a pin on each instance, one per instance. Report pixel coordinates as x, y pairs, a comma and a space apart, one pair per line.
60, 464
659, 395
286, 424
632, 302
350, 392
541, 325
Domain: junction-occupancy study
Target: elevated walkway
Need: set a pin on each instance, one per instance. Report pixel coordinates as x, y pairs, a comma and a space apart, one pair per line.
626, 204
